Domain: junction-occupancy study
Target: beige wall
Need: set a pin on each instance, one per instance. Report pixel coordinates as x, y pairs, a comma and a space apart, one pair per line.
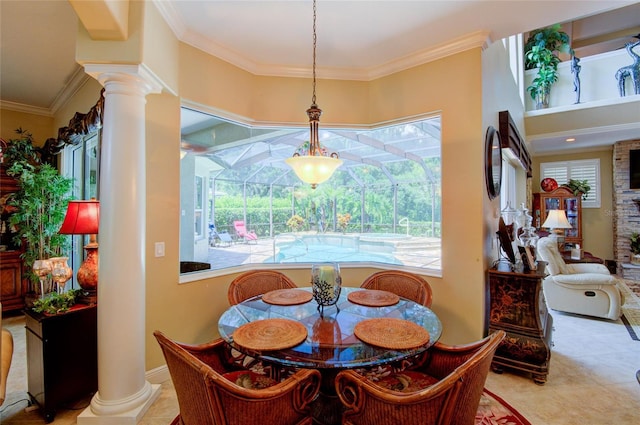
189, 312
41, 127
452, 87
597, 223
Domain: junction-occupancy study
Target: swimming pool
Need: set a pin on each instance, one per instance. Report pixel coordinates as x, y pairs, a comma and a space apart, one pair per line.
335, 247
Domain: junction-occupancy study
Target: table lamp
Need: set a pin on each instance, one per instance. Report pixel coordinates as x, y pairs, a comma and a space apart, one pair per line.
83, 218
556, 222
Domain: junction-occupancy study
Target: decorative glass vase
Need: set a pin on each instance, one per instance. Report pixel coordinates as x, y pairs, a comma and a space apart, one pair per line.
42, 269
542, 97
60, 271
528, 235
326, 284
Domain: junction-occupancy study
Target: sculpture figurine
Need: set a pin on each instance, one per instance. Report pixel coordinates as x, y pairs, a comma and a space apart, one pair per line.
575, 70
632, 71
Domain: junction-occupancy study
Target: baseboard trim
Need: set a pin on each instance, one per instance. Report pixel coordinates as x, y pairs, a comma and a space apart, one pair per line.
158, 375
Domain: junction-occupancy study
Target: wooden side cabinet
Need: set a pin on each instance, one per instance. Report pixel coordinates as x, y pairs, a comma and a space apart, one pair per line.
13, 284
517, 306
62, 357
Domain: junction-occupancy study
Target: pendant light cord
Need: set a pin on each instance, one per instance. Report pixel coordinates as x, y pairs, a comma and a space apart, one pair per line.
313, 98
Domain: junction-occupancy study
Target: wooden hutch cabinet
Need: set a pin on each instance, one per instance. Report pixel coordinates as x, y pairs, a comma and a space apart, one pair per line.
13, 284
560, 199
517, 306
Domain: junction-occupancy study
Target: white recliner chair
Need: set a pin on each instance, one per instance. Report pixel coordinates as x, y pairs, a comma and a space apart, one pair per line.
581, 288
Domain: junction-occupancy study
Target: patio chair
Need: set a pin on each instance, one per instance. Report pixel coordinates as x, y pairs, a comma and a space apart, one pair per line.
404, 284
242, 233
210, 392
445, 389
216, 238
256, 282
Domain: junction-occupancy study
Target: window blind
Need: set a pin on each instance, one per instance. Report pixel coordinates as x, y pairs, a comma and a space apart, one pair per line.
588, 169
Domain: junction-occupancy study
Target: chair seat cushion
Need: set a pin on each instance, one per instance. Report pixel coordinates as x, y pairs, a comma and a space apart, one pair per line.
407, 381
250, 380
585, 279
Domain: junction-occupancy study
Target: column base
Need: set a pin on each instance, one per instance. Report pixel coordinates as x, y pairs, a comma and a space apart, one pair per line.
129, 417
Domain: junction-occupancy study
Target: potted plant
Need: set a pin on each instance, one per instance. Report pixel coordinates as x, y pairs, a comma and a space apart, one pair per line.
56, 303
39, 204
541, 52
578, 187
635, 248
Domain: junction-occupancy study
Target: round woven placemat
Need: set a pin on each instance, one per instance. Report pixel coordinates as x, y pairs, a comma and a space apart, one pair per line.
391, 333
373, 298
287, 297
270, 334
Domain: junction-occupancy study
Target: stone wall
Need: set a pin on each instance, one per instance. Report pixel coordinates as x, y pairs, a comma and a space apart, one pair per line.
626, 204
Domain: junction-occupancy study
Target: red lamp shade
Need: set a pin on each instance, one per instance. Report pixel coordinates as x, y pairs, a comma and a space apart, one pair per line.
83, 218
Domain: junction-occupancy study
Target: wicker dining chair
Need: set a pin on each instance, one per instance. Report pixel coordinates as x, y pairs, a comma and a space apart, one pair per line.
256, 282
211, 392
454, 378
404, 284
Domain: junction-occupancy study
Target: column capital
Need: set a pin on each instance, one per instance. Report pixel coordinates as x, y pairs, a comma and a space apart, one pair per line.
131, 75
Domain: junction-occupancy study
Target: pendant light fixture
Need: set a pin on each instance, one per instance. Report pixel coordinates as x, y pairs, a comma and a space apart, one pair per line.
311, 162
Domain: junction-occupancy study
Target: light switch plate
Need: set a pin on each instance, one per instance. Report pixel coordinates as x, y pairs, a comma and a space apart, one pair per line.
159, 249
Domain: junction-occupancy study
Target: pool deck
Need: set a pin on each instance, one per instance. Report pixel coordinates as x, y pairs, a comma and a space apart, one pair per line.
422, 252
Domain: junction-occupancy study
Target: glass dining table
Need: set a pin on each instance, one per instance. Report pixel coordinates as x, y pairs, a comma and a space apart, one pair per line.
330, 345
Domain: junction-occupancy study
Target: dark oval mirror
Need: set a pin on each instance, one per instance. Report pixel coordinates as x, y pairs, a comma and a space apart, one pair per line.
493, 162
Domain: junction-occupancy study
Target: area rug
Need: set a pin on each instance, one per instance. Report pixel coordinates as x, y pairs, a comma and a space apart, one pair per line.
631, 308
495, 411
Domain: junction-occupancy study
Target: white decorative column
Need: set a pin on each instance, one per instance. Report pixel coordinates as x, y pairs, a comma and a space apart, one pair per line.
123, 393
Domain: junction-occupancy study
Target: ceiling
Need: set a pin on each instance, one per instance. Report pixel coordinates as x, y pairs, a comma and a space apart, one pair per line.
355, 39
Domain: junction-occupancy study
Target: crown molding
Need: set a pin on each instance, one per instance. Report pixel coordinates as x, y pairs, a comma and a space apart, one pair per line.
477, 39
26, 109
172, 18
77, 80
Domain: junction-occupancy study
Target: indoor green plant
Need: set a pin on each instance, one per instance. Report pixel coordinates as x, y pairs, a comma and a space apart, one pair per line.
40, 202
541, 52
578, 187
56, 303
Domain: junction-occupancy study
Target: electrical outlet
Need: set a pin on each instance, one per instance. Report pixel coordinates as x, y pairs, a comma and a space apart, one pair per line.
159, 249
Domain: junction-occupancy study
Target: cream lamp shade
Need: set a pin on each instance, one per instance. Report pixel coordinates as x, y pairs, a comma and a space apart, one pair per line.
557, 219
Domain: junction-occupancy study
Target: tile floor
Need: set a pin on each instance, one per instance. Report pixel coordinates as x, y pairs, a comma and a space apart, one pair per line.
592, 381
